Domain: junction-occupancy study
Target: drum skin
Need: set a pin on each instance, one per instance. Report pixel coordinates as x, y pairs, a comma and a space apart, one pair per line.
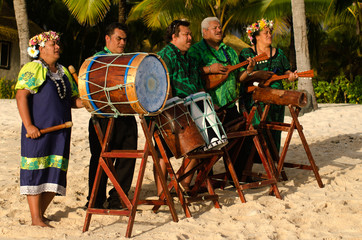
178, 129
116, 84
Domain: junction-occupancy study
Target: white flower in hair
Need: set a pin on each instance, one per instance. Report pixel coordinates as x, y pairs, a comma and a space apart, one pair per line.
33, 52
42, 44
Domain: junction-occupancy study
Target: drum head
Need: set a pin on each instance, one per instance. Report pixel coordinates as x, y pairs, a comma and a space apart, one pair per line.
151, 84
172, 102
196, 97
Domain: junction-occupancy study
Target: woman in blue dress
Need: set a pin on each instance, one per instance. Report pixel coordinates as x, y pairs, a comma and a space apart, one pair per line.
45, 94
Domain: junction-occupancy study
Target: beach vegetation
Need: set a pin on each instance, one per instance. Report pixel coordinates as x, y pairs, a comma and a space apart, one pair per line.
7, 88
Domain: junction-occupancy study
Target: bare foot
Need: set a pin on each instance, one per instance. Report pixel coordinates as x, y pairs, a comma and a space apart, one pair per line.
41, 224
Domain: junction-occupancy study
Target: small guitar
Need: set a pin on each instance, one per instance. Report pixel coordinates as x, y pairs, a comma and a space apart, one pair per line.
214, 80
274, 78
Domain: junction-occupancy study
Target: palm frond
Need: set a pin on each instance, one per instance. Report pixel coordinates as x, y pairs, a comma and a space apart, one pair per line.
88, 12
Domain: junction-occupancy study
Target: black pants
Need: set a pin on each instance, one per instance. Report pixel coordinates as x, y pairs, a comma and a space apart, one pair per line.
124, 136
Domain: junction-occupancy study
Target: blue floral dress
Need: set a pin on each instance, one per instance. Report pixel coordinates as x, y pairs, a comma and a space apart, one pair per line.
44, 161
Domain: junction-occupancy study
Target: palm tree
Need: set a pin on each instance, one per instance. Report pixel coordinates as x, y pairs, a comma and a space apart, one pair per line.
301, 49
23, 29
158, 14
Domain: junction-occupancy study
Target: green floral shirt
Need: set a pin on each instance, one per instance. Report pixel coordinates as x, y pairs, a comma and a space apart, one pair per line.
184, 75
205, 55
33, 74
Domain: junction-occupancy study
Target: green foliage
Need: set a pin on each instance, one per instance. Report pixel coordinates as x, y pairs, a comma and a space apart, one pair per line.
7, 88
339, 90
354, 92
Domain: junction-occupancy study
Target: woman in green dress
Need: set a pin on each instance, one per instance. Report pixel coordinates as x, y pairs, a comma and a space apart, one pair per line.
260, 35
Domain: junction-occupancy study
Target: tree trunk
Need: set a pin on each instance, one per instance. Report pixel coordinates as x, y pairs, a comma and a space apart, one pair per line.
122, 11
302, 51
21, 17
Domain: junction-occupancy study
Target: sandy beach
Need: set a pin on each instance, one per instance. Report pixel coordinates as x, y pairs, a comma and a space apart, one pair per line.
333, 132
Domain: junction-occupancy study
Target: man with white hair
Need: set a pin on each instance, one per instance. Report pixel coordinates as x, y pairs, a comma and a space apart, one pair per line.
212, 57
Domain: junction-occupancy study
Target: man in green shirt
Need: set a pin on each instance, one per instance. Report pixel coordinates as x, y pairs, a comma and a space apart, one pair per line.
212, 56
184, 73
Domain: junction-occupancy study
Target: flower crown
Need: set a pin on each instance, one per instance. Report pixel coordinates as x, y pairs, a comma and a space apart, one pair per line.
258, 26
40, 40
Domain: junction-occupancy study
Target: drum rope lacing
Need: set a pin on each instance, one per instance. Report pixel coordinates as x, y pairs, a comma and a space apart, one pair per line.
174, 119
107, 90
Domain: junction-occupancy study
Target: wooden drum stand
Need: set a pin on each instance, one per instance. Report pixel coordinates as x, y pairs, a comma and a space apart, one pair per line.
295, 100
106, 164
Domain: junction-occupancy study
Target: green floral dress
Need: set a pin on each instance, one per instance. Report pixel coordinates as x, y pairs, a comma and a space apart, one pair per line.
278, 64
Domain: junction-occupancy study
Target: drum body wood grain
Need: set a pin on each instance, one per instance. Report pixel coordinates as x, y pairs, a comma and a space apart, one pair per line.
280, 97
178, 129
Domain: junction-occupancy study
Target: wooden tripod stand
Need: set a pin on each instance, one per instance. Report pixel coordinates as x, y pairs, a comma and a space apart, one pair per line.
105, 164
294, 100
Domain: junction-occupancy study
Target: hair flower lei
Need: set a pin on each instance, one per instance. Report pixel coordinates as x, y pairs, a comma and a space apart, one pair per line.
40, 40
258, 26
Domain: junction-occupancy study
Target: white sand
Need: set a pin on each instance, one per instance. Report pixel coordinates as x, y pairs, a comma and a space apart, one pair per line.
334, 134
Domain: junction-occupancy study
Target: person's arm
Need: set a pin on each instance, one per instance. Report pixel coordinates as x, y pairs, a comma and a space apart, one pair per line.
23, 107
247, 74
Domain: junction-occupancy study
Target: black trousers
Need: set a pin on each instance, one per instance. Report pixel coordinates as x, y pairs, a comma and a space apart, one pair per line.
123, 137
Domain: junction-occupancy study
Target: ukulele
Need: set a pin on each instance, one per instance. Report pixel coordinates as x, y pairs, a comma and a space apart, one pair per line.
274, 78
214, 80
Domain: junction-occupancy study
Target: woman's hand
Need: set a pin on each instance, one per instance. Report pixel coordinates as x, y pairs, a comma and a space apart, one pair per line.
32, 131
76, 102
292, 75
251, 65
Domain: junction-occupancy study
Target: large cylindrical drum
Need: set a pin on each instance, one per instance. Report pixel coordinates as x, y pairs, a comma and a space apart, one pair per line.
124, 84
281, 97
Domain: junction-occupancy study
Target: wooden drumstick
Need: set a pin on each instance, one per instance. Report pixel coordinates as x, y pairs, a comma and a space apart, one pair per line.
55, 128
73, 72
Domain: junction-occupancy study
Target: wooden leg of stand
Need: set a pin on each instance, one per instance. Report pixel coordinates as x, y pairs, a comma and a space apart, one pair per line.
93, 197
266, 167
156, 162
306, 147
97, 179
233, 175
174, 181
137, 190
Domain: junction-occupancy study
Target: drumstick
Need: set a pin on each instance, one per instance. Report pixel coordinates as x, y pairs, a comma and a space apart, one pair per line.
73, 72
55, 128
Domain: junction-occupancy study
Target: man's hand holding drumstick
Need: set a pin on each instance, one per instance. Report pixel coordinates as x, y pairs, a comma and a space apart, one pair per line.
33, 132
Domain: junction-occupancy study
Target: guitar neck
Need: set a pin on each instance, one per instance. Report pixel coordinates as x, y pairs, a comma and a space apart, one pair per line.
257, 58
239, 65
275, 77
